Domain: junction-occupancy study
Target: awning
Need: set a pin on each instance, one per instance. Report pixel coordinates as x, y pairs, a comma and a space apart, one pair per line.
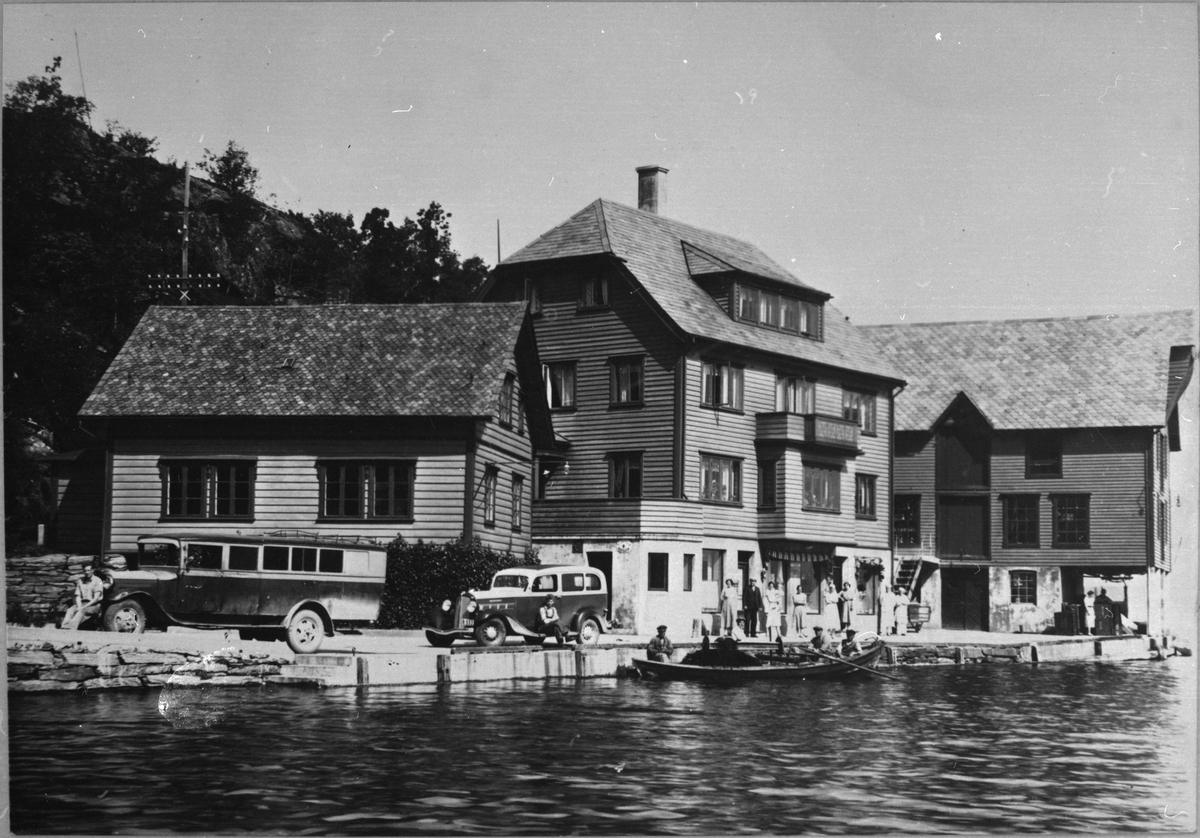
795, 551
868, 561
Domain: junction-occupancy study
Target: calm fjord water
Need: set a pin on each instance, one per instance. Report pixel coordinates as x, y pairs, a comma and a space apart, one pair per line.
1065, 748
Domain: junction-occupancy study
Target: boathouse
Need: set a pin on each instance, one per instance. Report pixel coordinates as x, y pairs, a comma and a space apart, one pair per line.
363, 420
1032, 462
725, 420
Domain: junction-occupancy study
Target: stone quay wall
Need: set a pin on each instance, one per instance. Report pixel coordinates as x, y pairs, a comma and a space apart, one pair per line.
43, 667
40, 589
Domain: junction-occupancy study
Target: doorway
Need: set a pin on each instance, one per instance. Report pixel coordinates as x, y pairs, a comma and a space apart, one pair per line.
965, 598
603, 563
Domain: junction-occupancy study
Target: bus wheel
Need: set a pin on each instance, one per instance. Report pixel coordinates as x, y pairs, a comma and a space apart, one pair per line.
305, 632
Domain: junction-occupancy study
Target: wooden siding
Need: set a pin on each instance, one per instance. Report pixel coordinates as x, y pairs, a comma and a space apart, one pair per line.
915, 467
603, 519
287, 490
875, 461
77, 489
591, 338
509, 454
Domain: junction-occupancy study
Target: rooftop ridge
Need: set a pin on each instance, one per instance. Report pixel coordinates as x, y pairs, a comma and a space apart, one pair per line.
1067, 318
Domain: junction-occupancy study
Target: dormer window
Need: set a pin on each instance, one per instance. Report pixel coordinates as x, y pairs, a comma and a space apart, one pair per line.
533, 295
778, 311
593, 291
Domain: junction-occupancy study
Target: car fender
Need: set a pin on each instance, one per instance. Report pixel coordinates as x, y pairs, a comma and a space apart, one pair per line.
326, 620
154, 611
584, 613
514, 626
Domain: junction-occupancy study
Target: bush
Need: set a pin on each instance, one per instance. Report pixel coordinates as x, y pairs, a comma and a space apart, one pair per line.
421, 575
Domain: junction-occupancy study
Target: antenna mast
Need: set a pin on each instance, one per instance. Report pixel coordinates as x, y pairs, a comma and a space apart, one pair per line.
79, 58
187, 190
497, 241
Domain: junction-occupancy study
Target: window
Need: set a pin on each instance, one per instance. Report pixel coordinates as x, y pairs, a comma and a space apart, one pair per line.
545, 583
572, 582
864, 496
748, 303
560, 385
906, 520
822, 488
711, 565
1020, 520
518, 502
593, 292
206, 556
722, 385
626, 385
860, 408
1070, 516
810, 320
768, 309
533, 294
689, 570
1043, 455
520, 414
795, 395
489, 497
1022, 586
242, 557
789, 315
331, 561
626, 474
767, 483
778, 311
658, 571
506, 400
720, 479
373, 490
304, 559
208, 489
275, 558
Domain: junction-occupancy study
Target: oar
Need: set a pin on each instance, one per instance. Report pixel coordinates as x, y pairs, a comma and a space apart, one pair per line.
856, 666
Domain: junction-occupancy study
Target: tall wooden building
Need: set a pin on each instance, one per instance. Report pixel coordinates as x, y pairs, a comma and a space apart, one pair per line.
1032, 455
723, 418
359, 420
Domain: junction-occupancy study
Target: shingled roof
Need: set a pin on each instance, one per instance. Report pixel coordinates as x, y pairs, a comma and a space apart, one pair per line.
1107, 371
657, 251
329, 360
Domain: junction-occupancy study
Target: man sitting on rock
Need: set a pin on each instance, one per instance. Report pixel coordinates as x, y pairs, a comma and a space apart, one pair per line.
89, 596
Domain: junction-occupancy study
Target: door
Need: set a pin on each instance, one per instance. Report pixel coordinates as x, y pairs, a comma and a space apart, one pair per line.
198, 592
962, 527
964, 599
603, 563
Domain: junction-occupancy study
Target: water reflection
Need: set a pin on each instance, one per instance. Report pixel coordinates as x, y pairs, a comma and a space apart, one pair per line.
1004, 749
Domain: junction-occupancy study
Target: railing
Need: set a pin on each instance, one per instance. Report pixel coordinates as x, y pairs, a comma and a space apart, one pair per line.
612, 518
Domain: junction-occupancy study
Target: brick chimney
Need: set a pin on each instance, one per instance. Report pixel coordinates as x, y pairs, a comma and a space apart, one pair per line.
652, 188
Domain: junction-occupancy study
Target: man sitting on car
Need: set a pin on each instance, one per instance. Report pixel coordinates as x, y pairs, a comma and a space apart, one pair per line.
547, 622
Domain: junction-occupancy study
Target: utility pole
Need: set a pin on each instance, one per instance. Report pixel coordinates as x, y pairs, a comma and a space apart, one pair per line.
187, 193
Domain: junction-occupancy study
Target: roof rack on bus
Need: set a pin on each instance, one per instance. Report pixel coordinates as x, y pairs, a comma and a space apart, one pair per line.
336, 539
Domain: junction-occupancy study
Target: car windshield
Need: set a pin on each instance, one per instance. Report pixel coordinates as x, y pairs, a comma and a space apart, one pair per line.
158, 554
511, 580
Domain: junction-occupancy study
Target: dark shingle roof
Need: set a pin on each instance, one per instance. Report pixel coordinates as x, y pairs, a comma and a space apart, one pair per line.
1108, 371
657, 251
348, 360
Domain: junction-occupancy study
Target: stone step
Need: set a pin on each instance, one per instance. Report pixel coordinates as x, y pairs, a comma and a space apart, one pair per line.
328, 659
329, 676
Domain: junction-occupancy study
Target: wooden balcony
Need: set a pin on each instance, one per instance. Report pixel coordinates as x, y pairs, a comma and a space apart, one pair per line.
599, 518
808, 429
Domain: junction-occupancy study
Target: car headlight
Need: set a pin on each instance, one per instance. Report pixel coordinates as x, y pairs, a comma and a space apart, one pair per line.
446, 605
472, 606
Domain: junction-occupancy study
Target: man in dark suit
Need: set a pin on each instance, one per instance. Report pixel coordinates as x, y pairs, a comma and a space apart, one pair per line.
752, 603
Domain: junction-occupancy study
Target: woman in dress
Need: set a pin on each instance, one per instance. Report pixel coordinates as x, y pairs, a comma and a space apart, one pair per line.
773, 604
829, 594
845, 605
729, 598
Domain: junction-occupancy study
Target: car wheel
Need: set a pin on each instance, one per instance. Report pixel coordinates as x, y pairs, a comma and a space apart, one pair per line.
492, 632
589, 631
305, 632
441, 641
128, 617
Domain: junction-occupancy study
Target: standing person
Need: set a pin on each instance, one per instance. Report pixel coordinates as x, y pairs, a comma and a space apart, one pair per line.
885, 609
752, 603
1089, 613
798, 603
774, 609
900, 610
729, 607
829, 594
89, 596
1106, 613
659, 648
547, 622
845, 605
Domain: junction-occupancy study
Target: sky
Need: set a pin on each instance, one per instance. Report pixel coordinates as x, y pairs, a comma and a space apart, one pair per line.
918, 161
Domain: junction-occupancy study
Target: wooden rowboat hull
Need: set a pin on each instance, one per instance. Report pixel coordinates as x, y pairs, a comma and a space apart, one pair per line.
820, 670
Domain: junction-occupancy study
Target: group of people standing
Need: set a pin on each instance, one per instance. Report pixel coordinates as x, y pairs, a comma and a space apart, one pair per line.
770, 605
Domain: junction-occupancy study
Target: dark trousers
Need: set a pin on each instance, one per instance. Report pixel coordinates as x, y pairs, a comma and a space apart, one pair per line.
552, 630
751, 616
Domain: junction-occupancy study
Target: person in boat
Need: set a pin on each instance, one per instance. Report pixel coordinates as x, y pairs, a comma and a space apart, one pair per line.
820, 641
729, 598
659, 648
547, 621
850, 646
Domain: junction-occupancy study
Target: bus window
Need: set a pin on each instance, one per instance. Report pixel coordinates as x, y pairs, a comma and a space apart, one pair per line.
242, 557
275, 558
304, 559
572, 582
331, 561
593, 582
207, 556
158, 555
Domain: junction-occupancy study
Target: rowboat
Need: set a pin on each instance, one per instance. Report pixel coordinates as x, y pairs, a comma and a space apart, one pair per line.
800, 666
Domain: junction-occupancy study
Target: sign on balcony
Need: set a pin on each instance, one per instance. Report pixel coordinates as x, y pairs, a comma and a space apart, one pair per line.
832, 431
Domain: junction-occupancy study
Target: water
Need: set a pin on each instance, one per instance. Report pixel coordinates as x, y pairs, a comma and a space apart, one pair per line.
1072, 747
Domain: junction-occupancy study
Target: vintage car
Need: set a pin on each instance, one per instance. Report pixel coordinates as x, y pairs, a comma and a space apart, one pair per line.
510, 607
292, 585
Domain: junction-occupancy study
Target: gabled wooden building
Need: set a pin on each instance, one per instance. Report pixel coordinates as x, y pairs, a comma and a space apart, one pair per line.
724, 419
421, 421
1032, 458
